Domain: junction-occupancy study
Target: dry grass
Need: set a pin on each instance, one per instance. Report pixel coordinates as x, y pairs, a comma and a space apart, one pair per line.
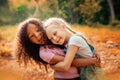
105, 40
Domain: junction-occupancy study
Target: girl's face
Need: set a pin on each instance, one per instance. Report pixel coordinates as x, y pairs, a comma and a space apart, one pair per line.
56, 34
34, 34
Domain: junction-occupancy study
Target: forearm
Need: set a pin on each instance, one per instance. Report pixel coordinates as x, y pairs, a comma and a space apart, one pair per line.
77, 62
58, 68
81, 62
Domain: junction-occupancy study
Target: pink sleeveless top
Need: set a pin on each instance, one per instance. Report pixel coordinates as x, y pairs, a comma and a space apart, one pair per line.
47, 53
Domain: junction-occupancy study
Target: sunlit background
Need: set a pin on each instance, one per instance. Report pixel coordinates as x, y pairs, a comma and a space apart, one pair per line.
74, 11
98, 20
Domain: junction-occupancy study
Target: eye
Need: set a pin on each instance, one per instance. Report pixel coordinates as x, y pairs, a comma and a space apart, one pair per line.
31, 36
55, 33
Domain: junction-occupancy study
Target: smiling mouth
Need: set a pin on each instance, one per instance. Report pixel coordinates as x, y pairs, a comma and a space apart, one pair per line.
58, 41
41, 41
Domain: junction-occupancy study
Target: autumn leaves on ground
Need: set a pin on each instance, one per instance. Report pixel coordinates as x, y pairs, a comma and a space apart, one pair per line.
105, 40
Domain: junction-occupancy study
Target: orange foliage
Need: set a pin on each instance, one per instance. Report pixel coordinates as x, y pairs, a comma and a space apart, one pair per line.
17, 3
106, 43
100, 34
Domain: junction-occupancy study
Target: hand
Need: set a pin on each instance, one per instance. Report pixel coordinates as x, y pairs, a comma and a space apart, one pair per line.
98, 61
96, 55
97, 64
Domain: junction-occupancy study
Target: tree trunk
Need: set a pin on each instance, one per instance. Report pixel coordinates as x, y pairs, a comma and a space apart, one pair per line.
112, 13
37, 11
74, 16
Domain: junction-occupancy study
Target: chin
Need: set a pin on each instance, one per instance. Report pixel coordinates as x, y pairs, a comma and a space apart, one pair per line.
61, 43
37, 43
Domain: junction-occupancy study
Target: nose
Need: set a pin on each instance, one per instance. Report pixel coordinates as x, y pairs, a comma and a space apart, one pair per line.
36, 34
55, 38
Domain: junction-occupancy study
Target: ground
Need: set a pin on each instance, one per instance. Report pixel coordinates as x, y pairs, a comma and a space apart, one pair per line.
105, 41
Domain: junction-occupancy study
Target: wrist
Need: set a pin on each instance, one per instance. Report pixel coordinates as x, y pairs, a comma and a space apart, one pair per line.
94, 61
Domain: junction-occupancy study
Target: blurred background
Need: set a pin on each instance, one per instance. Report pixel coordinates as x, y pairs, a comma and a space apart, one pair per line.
98, 20
89, 12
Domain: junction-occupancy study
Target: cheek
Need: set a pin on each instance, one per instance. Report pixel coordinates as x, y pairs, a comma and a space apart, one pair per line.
41, 42
49, 36
33, 41
52, 41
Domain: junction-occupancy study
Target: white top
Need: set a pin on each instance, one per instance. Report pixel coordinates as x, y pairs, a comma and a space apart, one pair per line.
84, 49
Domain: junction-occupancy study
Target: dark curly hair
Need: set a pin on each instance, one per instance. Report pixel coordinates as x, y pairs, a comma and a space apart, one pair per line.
26, 50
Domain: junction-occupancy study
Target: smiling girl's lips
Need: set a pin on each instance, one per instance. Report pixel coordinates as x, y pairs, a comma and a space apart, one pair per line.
41, 40
59, 40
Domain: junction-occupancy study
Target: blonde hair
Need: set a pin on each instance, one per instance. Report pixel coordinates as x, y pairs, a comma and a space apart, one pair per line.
58, 22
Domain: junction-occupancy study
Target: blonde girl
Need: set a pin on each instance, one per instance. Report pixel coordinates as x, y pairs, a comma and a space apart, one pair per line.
60, 33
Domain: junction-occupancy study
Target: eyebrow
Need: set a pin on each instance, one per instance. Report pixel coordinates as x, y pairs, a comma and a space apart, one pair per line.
36, 28
30, 35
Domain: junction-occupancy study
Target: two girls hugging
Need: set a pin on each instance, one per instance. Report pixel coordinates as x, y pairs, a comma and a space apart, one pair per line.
54, 42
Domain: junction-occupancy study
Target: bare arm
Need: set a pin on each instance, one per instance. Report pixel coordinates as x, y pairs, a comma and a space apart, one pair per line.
66, 63
57, 58
81, 62
78, 62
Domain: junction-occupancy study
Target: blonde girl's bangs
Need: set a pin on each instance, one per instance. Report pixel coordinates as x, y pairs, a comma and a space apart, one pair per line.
56, 21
